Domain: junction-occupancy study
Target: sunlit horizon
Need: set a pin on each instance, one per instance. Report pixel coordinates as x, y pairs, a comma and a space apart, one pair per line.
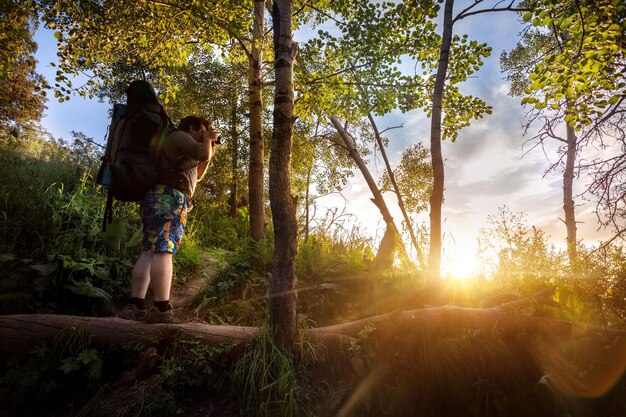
460, 265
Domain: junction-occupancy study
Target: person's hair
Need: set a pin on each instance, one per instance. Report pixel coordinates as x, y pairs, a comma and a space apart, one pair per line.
192, 121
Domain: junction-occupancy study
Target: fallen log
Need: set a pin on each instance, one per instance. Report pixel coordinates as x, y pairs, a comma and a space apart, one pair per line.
18, 333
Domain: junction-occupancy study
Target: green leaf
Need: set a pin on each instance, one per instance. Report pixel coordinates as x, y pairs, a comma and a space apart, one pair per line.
46, 269
58, 35
69, 365
6, 257
86, 288
614, 28
527, 16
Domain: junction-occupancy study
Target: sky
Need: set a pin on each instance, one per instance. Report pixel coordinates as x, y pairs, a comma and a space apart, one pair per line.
487, 167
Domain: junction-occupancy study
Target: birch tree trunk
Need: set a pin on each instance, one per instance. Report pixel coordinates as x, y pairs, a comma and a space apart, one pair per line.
256, 187
568, 197
436, 198
283, 282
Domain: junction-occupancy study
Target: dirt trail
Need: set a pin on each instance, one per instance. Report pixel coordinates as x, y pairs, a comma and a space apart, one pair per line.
182, 293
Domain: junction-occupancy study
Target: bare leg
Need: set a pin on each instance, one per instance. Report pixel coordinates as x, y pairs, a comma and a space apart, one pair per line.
141, 275
161, 270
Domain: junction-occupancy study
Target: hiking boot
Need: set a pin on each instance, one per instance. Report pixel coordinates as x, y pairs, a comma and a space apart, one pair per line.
156, 316
131, 312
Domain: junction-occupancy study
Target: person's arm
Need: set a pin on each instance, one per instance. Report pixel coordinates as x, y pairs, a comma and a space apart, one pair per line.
208, 139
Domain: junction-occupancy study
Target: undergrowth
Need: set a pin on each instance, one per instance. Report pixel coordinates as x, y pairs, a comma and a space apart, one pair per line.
270, 382
56, 378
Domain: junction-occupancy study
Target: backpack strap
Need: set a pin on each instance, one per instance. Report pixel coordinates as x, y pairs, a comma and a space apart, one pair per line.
108, 211
116, 134
172, 177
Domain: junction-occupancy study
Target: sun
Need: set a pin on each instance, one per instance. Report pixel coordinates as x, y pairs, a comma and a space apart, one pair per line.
459, 265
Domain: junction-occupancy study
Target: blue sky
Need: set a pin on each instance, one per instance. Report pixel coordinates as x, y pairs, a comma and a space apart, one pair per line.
485, 168
78, 114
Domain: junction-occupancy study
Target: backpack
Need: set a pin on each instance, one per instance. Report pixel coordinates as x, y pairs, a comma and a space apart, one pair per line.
135, 137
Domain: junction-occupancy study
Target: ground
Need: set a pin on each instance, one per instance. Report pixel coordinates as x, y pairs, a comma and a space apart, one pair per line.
182, 294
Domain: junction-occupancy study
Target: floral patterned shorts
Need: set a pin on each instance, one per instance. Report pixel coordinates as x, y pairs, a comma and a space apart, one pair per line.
164, 216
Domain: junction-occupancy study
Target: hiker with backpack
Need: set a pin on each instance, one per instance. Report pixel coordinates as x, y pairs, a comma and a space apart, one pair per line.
179, 158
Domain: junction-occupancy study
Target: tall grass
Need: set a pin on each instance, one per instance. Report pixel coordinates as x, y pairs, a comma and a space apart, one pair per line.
53, 255
270, 382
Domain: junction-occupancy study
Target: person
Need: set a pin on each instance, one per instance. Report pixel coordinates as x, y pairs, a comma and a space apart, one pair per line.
182, 161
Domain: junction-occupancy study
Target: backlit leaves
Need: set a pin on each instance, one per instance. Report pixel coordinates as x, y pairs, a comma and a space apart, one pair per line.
96, 37
414, 178
583, 57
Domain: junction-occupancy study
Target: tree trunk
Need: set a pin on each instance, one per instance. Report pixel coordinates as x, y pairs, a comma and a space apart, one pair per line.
283, 282
568, 199
256, 187
20, 332
392, 177
307, 202
436, 198
234, 135
388, 244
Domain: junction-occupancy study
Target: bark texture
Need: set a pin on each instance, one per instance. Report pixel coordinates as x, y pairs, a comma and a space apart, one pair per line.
18, 333
233, 201
568, 197
436, 198
283, 282
256, 188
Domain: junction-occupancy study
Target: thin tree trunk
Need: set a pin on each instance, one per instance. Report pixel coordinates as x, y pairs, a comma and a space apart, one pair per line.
384, 256
392, 177
568, 197
283, 282
256, 188
234, 191
436, 198
307, 202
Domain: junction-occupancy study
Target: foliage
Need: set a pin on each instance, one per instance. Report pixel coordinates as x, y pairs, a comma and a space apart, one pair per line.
236, 292
332, 251
213, 228
373, 37
318, 164
520, 261
190, 365
189, 257
56, 258
22, 94
568, 68
520, 255
57, 374
413, 174
271, 382
585, 69
96, 38
602, 283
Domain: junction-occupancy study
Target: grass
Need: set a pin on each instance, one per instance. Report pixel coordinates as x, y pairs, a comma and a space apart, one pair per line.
271, 382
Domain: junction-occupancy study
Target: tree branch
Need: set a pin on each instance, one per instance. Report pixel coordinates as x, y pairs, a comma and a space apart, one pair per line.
466, 12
